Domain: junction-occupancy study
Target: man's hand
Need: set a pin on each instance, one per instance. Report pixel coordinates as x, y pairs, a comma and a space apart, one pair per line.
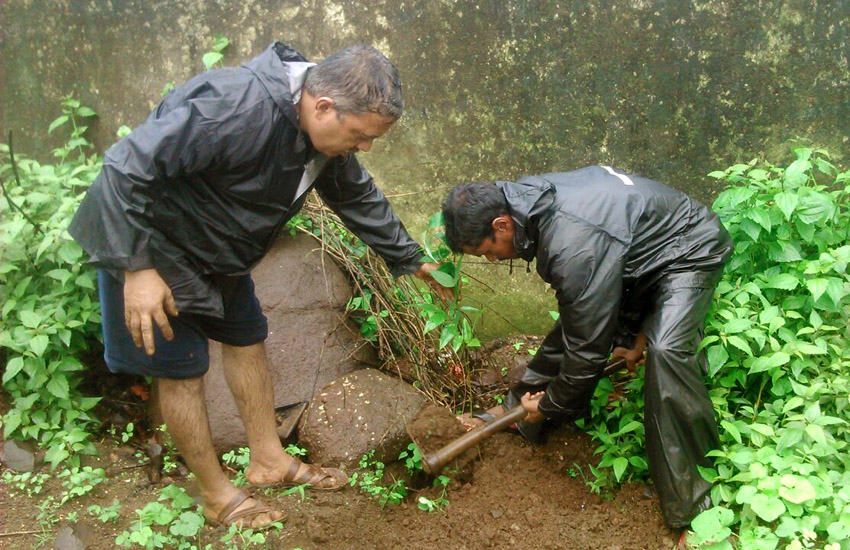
147, 299
531, 402
634, 356
424, 273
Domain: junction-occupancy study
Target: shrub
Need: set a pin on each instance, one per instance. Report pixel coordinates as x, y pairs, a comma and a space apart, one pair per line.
777, 354
49, 304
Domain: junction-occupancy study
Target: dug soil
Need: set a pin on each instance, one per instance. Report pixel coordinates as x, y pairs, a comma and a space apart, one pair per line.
514, 495
507, 493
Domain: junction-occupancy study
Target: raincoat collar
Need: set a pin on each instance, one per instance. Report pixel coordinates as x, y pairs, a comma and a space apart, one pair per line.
282, 71
527, 199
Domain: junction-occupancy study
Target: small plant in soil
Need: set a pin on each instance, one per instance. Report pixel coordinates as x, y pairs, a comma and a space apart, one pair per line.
236, 461
441, 502
370, 480
105, 513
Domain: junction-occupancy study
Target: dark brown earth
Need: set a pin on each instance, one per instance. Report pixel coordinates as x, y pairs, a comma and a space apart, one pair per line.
517, 495
507, 494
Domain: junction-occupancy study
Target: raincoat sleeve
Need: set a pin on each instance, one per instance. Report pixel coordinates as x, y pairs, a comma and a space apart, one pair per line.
585, 270
113, 221
348, 189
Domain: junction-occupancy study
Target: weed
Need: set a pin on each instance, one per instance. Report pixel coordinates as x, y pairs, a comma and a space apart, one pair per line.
214, 56
105, 514
238, 460
370, 479
439, 503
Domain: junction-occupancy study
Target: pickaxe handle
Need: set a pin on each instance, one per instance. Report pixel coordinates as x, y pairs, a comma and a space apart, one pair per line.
433, 462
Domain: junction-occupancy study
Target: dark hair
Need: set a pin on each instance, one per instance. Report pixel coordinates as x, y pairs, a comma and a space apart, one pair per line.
360, 80
469, 211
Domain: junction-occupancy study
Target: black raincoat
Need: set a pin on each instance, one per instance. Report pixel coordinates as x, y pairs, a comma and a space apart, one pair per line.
205, 184
617, 249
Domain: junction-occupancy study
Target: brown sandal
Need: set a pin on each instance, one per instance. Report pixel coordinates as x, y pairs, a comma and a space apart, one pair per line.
229, 515
316, 477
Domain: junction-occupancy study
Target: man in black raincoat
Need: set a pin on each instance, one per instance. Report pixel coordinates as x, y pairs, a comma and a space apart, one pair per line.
615, 247
193, 198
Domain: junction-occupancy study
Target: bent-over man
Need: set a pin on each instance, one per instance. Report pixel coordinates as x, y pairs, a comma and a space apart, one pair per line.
611, 245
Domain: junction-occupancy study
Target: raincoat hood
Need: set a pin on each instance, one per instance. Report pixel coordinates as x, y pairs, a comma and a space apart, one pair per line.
282, 71
527, 200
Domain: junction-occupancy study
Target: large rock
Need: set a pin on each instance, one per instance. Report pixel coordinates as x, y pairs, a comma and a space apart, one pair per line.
303, 294
360, 412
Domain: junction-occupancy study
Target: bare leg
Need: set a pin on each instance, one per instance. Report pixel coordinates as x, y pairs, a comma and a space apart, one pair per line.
247, 372
182, 405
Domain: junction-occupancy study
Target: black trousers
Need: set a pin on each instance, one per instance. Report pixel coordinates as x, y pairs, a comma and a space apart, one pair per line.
679, 418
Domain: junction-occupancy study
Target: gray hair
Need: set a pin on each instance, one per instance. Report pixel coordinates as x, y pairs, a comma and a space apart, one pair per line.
359, 79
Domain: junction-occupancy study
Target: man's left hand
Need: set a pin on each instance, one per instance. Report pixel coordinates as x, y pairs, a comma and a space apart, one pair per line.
424, 273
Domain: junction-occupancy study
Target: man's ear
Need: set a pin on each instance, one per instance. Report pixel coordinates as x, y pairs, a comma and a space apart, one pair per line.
503, 222
324, 105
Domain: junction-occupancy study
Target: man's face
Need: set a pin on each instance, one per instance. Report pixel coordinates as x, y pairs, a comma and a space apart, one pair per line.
498, 247
334, 134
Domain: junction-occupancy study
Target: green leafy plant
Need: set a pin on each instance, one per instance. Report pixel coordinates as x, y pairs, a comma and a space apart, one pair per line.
30, 483
441, 502
49, 311
778, 356
370, 481
295, 450
105, 513
214, 56
776, 345
80, 481
454, 321
170, 522
237, 460
412, 458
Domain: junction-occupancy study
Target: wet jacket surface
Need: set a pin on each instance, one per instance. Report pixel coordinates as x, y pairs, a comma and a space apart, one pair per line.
205, 184
600, 239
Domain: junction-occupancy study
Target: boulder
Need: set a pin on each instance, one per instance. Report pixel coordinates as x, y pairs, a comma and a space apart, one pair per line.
359, 412
303, 293
19, 456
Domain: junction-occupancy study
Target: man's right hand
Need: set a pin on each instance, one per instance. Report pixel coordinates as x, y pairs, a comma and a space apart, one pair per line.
147, 300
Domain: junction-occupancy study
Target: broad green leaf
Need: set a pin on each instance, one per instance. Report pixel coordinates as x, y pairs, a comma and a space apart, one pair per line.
444, 279
783, 281
434, 321
731, 429
717, 357
796, 173
796, 489
745, 494
620, 464
740, 343
766, 507
817, 287
737, 325
761, 217
38, 344
187, 525
13, 367
769, 362
58, 386
211, 58
817, 434
29, 319
787, 202
84, 112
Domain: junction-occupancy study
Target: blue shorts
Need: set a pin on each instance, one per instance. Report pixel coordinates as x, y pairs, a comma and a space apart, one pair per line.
187, 355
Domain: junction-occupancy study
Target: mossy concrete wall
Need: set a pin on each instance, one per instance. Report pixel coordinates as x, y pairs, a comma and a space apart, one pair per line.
494, 89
